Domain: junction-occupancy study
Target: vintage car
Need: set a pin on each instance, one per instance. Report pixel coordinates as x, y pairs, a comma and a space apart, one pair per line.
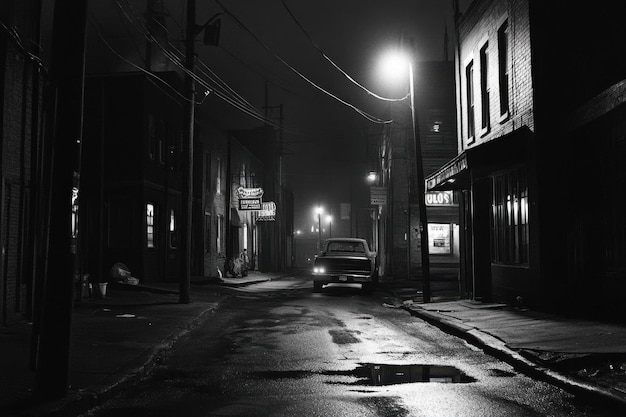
345, 260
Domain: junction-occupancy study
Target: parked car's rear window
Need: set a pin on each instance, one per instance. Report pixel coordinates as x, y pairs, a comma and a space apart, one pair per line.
346, 247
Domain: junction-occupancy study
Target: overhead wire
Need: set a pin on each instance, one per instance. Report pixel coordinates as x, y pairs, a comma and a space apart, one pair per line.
176, 57
350, 78
366, 115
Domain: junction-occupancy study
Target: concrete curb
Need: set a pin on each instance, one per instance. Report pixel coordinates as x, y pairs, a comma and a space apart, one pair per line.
497, 348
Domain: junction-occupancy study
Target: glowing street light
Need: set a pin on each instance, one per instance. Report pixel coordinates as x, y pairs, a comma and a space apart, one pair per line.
395, 66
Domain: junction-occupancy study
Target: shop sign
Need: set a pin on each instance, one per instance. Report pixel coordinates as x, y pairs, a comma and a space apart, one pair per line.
267, 212
249, 204
439, 198
249, 192
378, 196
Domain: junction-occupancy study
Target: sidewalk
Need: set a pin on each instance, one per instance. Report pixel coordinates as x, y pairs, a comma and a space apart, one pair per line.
114, 339
585, 357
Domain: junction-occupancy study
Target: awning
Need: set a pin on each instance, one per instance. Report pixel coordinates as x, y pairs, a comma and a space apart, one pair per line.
451, 176
508, 150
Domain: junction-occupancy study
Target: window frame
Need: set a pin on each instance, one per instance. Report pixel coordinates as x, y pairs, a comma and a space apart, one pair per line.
470, 101
504, 69
151, 222
509, 220
484, 89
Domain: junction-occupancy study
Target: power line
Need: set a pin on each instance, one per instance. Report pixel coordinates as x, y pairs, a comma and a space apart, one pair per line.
371, 93
366, 115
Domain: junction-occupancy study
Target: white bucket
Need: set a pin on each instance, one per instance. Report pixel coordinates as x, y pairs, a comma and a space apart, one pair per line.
103, 289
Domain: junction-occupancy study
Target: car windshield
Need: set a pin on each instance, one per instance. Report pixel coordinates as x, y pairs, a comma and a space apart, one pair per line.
345, 247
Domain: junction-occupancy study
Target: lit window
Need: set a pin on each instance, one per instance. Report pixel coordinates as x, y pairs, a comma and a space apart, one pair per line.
173, 239
74, 212
220, 233
218, 176
150, 242
509, 220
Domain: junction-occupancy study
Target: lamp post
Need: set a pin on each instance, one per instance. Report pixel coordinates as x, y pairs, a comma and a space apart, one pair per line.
319, 210
398, 61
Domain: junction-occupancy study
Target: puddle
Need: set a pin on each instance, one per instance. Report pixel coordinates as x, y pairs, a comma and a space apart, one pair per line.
380, 374
370, 374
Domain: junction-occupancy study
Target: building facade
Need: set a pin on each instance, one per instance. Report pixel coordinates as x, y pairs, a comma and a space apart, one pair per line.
22, 82
520, 79
397, 220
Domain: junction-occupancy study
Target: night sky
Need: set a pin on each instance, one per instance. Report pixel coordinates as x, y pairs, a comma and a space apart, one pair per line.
261, 47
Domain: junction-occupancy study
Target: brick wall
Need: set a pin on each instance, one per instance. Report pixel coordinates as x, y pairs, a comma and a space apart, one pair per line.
480, 30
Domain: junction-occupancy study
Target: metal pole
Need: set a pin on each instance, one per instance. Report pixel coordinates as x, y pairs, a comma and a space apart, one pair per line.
187, 200
319, 230
67, 71
421, 194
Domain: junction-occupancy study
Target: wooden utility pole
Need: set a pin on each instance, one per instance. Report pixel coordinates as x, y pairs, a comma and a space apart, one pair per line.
67, 73
188, 128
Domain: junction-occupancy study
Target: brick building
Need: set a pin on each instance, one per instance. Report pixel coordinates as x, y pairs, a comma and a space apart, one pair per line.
524, 170
21, 84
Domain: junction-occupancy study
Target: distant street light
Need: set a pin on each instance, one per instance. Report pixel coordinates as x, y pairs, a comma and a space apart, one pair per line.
395, 66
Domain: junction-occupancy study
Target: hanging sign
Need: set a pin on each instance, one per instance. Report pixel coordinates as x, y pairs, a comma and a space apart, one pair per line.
267, 212
378, 196
249, 192
249, 204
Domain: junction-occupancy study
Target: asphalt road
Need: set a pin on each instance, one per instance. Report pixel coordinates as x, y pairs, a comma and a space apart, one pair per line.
278, 349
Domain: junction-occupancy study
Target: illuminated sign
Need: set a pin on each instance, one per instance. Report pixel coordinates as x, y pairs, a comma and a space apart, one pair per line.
249, 192
267, 212
440, 198
249, 204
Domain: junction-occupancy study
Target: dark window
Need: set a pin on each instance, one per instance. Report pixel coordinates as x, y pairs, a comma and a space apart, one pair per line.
207, 232
207, 171
484, 87
120, 223
152, 140
469, 76
503, 67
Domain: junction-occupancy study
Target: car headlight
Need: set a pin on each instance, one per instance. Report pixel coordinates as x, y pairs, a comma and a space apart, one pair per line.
319, 269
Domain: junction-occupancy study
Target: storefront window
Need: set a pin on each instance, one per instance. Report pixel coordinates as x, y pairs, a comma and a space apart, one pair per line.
439, 239
509, 219
172, 229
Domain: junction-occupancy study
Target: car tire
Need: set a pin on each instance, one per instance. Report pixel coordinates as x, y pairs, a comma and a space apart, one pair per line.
317, 286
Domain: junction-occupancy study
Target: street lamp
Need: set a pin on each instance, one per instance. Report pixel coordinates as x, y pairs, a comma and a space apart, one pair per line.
396, 64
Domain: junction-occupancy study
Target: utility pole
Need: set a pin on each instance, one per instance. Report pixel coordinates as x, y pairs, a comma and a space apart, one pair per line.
67, 73
188, 128
419, 163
